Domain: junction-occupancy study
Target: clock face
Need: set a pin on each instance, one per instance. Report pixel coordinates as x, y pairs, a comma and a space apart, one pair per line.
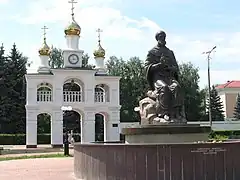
73, 59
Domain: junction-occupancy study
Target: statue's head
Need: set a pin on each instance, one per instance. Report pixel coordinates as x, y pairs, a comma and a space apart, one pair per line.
161, 38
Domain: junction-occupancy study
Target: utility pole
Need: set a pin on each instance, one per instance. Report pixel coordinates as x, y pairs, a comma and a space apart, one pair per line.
209, 84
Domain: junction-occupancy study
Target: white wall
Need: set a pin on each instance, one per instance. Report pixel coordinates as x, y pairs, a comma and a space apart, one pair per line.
86, 107
221, 125
217, 125
223, 99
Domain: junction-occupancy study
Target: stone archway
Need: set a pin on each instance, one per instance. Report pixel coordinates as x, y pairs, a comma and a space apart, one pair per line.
99, 127
72, 122
44, 128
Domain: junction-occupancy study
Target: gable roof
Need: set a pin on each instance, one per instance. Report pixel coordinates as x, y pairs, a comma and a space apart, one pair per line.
229, 84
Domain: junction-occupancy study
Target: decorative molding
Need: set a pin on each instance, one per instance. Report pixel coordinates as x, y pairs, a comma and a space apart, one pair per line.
90, 109
32, 108
89, 115
114, 108
109, 78
32, 121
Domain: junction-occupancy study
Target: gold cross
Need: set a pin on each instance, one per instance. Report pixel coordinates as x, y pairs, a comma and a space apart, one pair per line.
72, 2
99, 33
44, 31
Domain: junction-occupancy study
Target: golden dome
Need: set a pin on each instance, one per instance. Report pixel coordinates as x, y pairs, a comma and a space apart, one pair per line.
73, 28
45, 50
100, 52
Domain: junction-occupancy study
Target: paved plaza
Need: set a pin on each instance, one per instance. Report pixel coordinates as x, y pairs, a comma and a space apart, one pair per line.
37, 169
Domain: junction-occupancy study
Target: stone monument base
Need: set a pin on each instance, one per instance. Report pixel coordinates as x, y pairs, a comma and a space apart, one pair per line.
166, 133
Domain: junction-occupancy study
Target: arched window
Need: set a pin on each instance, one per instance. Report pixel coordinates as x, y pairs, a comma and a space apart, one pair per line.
101, 93
44, 92
72, 91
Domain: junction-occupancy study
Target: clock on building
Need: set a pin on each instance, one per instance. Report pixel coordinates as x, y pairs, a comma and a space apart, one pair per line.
73, 59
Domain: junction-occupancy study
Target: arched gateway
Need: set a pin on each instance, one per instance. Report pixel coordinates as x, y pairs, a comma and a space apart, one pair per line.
87, 91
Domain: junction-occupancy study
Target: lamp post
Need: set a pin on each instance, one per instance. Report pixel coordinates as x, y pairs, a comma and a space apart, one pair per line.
209, 84
65, 141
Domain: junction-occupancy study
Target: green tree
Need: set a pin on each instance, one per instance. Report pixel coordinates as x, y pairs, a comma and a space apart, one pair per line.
216, 106
133, 87
15, 82
193, 97
56, 59
133, 84
3, 92
44, 124
85, 62
236, 113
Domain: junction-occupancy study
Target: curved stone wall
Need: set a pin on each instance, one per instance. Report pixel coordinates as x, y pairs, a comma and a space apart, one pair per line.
219, 161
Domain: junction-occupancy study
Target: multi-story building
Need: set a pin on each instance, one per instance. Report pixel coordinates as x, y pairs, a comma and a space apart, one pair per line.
228, 93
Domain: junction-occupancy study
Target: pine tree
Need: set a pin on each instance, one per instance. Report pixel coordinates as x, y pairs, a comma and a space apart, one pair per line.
216, 106
2, 72
236, 113
15, 74
3, 92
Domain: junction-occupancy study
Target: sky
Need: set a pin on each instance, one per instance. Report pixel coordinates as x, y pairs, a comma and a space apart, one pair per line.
129, 27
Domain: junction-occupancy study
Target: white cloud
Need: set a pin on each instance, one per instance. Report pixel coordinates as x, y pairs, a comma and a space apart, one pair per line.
122, 35
4, 1
125, 36
219, 76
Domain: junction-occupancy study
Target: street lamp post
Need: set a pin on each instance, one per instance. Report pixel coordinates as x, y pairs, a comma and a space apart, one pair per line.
65, 140
209, 84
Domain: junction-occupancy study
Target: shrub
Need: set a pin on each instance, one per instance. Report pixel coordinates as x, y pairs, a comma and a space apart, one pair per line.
224, 134
20, 139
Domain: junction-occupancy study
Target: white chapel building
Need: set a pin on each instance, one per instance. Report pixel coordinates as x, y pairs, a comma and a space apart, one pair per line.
95, 92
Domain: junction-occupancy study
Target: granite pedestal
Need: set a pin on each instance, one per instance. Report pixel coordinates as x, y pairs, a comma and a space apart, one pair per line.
183, 133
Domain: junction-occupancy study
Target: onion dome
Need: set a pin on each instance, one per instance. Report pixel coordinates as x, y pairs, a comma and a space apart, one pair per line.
100, 52
45, 50
73, 28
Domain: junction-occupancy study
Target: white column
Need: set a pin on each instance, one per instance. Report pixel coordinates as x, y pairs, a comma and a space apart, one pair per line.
114, 96
31, 129
106, 124
113, 124
99, 62
72, 41
89, 95
57, 129
44, 61
88, 127
58, 94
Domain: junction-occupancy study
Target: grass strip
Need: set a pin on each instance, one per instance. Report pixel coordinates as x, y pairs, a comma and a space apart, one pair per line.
58, 155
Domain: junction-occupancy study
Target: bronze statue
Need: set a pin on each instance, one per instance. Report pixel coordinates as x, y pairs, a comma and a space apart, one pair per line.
164, 103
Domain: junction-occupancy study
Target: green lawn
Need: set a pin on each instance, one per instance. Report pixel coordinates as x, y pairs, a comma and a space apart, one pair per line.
58, 155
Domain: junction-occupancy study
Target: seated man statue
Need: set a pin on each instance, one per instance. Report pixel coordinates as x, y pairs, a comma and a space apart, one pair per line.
165, 100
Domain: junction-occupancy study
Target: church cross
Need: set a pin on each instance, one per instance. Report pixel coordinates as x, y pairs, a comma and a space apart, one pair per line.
72, 2
44, 31
99, 34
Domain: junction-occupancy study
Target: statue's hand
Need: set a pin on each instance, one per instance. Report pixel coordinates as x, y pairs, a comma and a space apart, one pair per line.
158, 66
